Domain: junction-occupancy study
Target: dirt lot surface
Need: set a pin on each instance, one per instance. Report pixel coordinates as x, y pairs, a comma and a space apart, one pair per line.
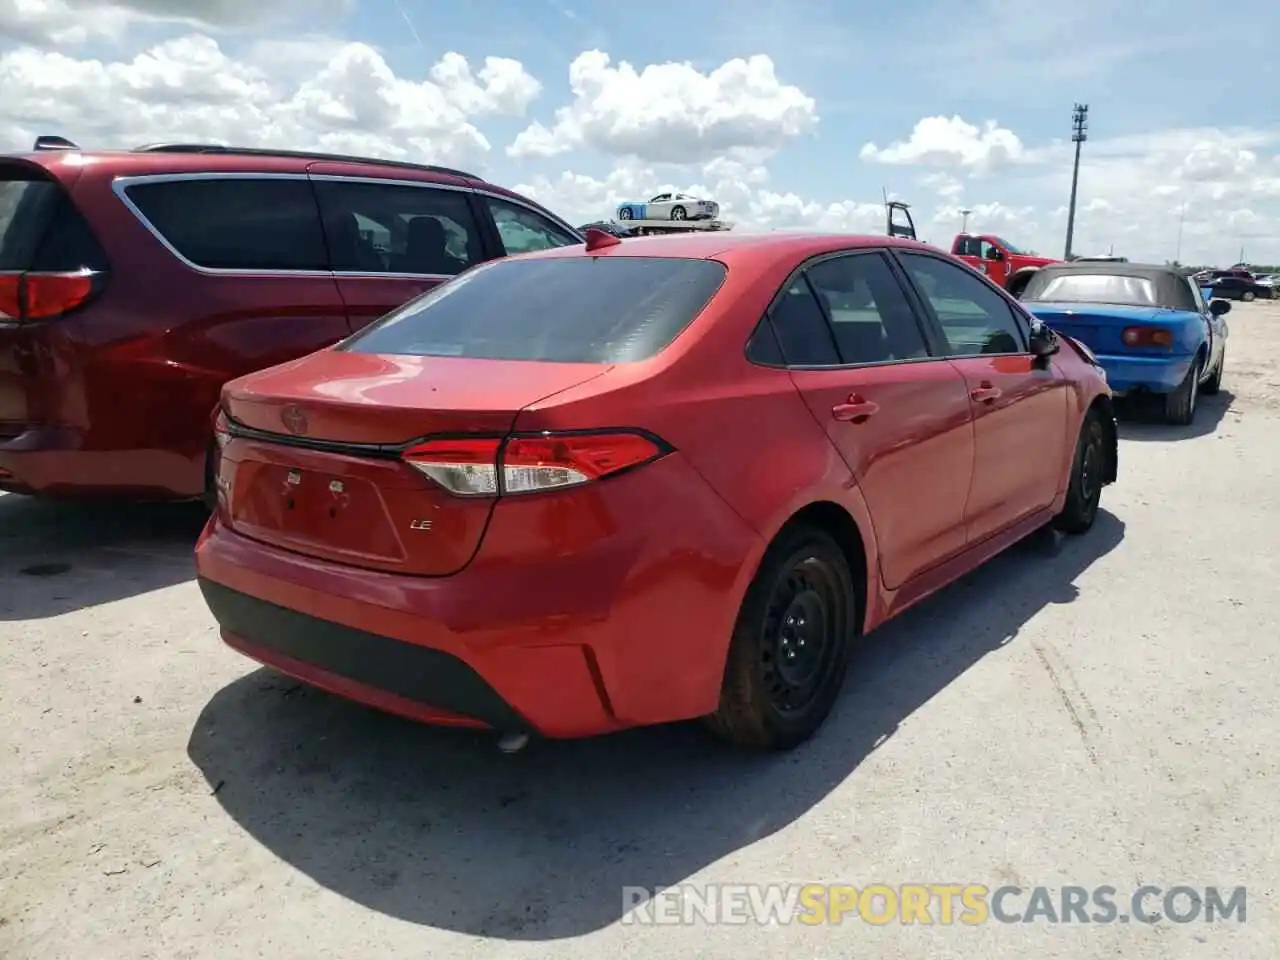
1099, 712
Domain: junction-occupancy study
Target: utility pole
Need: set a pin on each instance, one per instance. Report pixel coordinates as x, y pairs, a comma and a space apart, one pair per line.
1182, 219
1079, 134
964, 224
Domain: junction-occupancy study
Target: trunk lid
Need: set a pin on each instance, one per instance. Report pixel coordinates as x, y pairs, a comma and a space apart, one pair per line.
313, 461
1097, 326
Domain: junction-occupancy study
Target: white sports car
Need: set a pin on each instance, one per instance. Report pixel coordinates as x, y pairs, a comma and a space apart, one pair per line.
669, 206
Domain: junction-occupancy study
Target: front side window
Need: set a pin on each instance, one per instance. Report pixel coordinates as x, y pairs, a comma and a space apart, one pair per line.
236, 223
974, 318
397, 228
569, 309
524, 231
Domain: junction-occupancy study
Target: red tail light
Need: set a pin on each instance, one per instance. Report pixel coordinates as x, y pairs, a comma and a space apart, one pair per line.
1147, 337
45, 296
487, 467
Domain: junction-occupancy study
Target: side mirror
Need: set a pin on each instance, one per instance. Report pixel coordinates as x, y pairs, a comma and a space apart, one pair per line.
1044, 342
1219, 307
994, 254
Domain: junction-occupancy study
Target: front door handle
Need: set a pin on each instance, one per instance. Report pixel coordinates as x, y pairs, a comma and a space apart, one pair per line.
855, 409
986, 393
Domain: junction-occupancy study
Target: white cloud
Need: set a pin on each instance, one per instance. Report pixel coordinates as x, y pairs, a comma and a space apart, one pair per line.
671, 112
951, 141
743, 191
735, 132
187, 88
57, 23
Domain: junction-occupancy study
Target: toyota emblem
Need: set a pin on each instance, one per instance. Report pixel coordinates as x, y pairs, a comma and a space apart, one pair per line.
294, 418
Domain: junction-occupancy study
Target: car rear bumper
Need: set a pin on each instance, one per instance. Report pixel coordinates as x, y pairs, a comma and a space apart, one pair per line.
1129, 374
537, 634
57, 461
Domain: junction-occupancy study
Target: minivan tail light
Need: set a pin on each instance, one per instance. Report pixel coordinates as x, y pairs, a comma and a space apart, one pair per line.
486, 467
45, 296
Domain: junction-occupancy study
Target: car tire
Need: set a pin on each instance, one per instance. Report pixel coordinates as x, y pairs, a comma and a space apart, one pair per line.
679, 213
790, 645
1214, 383
1084, 492
1247, 296
1180, 405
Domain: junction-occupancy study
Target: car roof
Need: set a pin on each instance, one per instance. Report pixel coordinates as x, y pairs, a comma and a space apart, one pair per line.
1169, 282
723, 245
194, 158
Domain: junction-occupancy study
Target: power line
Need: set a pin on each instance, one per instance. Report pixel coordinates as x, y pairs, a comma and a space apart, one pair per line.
1079, 134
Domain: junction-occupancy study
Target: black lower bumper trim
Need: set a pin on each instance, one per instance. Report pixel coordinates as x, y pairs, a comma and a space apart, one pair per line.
430, 677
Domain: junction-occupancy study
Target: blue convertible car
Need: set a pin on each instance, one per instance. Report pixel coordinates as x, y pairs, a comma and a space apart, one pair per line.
1152, 329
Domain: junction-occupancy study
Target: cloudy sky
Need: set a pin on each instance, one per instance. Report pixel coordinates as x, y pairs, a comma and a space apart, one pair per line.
791, 114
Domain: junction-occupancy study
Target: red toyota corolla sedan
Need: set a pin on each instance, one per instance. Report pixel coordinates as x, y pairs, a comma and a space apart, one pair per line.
643, 480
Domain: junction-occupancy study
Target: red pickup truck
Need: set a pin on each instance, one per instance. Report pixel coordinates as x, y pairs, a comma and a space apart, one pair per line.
1000, 260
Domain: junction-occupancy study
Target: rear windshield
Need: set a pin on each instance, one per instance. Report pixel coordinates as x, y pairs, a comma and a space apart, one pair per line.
40, 228
560, 309
1092, 288
25, 208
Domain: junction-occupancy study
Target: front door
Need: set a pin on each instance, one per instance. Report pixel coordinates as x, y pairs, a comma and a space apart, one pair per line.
390, 242
995, 262
899, 418
1020, 404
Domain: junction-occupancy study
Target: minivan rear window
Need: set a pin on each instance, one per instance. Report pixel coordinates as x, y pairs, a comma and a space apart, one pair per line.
40, 227
558, 309
26, 206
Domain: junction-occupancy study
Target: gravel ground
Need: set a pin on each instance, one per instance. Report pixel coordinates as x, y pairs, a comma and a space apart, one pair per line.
1097, 711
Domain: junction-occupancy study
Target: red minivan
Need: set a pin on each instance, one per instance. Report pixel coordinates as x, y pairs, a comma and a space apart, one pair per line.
134, 284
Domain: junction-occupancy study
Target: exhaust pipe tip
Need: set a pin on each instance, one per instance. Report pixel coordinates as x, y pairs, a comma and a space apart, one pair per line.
513, 742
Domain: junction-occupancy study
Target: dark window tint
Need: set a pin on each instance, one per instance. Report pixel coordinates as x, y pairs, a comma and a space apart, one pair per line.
233, 223
563, 309
763, 346
801, 328
975, 319
393, 228
870, 316
524, 231
40, 228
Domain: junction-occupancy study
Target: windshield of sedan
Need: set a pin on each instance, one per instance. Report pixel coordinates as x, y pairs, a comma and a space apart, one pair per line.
1092, 288
555, 309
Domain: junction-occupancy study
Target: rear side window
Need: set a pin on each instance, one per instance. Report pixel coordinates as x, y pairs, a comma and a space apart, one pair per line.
40, 228
870, 316
562, 309
255, 224
395, 228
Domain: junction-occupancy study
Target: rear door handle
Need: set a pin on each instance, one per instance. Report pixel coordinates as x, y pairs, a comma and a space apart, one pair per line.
986, 393
855, 409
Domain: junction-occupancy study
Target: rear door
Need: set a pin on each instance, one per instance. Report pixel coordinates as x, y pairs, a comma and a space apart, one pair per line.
392, 240
248, 286
1019, 404
899, 416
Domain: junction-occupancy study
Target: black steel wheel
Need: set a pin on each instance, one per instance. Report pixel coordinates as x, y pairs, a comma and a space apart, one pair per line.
789, 650
1084, 493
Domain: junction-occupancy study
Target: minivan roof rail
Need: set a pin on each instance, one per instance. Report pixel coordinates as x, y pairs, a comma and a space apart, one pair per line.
298, 154
52, 142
